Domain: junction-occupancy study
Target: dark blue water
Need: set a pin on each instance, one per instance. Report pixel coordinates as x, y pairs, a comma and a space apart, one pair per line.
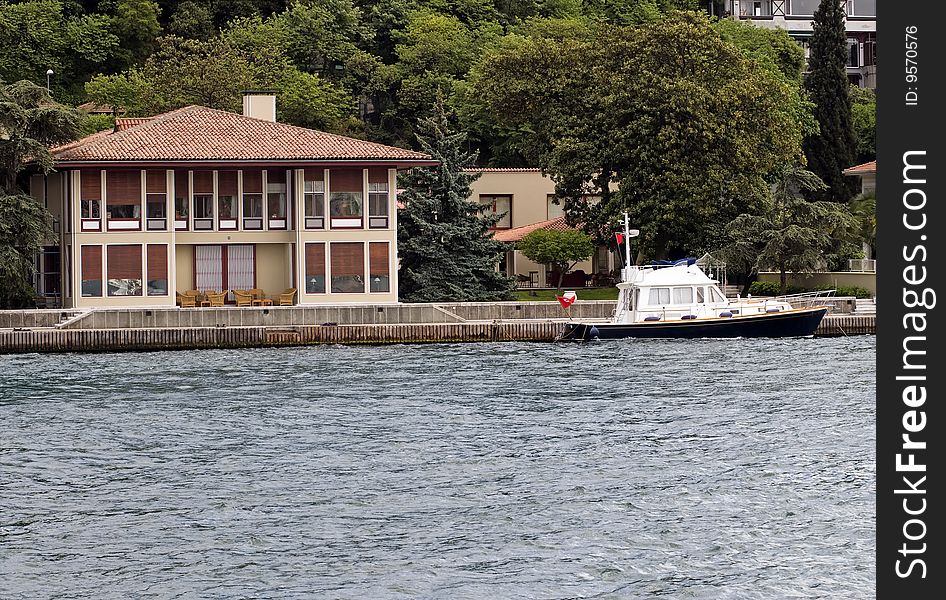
635, 469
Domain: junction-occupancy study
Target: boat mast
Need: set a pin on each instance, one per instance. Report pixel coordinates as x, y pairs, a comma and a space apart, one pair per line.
627, 242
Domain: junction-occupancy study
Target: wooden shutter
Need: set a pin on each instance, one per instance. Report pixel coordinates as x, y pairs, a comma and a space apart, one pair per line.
314, 259
91, 263
203, 182
180, 183
377, 175
157, 262
346, 180
124, 262
252, 182
157, 182
348, 259
378, 259
91, 184
227, 183
314, 174
123, 187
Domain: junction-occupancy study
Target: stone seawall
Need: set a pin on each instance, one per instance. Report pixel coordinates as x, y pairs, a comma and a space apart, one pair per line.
25, 340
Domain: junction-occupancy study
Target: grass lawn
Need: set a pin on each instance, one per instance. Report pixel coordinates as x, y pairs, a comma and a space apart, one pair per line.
610, 293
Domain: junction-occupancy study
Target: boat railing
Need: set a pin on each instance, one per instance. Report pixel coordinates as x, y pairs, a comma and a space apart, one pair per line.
806, 299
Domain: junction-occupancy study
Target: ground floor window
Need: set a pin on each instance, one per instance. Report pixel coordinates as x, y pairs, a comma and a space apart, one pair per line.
91, 267
315, 268
157, 270
348, 267
123, 265
379, 273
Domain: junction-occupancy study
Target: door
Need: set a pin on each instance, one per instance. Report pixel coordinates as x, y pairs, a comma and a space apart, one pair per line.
230, 267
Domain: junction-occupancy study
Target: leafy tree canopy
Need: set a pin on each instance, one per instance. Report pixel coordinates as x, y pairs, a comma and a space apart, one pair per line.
30, 122
683, 137
562, 249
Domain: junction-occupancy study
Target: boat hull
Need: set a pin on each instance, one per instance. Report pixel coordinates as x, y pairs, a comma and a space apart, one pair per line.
794, 323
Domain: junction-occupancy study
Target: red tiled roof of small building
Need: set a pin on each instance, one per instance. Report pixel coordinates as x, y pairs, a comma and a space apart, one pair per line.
197, 133
517, 233
502, 170
868, 167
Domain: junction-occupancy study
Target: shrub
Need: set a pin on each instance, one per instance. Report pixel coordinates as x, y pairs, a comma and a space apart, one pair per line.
764, 288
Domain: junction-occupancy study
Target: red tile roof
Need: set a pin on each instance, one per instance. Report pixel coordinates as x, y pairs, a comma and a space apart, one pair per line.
197, 133
517, 233
869, 167
123, 123
503, 170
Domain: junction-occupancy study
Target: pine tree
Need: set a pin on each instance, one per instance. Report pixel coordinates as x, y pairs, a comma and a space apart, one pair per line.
834, 148
446, 251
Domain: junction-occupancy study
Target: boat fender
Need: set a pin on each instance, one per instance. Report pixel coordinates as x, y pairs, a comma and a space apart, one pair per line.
593, 332
772, 310
652, 318
688, 317
725, 313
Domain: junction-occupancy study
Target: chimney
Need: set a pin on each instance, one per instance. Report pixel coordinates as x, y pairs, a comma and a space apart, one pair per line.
260, 104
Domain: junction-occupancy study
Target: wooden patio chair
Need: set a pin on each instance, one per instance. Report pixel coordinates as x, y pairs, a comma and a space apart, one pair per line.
217, 298
243, 297
286, 298
186, 301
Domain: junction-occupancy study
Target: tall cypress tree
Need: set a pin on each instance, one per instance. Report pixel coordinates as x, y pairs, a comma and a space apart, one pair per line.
834, 148
446, 251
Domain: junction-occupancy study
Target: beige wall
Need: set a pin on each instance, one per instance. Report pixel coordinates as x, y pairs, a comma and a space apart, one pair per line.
184, 265
530, 190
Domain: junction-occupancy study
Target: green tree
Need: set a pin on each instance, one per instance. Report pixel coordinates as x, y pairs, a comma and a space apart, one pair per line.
135, 23
30, 122
788, 232
832, 149
864, 122
562, 249
774, 46
682, 137
445, 246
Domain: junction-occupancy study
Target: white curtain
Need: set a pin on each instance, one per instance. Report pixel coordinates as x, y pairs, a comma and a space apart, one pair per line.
240, 266
209, 267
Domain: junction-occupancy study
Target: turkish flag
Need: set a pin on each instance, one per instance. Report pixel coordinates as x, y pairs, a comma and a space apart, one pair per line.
620, 237
567, 299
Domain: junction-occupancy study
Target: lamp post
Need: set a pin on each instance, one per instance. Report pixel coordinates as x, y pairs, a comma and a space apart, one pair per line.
49, 73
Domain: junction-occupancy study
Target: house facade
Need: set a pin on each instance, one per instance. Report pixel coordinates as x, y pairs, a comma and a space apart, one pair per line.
525, 200
208, 200
795, 17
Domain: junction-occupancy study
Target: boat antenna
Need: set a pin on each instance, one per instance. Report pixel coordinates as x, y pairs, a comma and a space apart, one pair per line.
628, 234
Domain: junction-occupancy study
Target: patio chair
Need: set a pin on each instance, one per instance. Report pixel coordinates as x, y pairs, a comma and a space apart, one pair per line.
243, 297
217, 298
286, 298
185, 301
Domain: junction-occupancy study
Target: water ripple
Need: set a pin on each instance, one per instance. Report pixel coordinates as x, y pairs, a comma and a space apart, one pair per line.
635, 469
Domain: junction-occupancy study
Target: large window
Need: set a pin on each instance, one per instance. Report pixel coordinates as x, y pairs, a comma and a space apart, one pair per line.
683, 295
123, 265
378, 198
378, 270
803, 8
315, 268
314, 196
227, 199
556, 207
181, 199
203, 200
276, 198
501, 206
90, 188
91, 260
123, 199
252, 200
156, 199
157, 270
346, 198
348, 267
862, 8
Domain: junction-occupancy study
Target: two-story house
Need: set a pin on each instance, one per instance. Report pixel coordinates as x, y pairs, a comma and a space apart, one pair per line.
204, 199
